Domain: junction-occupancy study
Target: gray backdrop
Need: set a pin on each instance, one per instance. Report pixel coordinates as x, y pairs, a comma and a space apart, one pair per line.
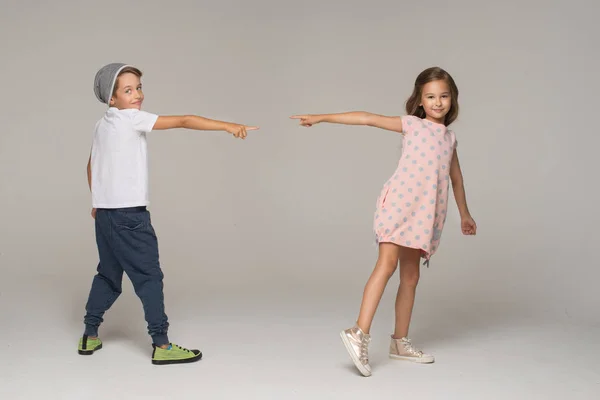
286, 216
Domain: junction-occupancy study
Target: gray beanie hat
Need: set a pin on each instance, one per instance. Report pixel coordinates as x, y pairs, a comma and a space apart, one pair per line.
104, 83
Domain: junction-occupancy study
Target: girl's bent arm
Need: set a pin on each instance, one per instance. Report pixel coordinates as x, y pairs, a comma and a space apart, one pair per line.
458, 186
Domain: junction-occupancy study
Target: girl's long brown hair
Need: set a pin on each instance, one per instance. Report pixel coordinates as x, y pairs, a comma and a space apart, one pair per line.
429, 75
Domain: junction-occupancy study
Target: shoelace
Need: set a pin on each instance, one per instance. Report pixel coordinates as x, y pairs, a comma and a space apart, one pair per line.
409, 348
364, 355
181, 348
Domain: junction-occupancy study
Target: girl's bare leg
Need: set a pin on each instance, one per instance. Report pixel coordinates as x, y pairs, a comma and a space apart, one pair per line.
386, 265
405, 299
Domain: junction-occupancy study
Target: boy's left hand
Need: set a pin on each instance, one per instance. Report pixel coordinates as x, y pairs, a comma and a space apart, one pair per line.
468, 226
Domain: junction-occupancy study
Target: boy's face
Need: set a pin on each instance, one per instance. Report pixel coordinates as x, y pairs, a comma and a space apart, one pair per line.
128, 93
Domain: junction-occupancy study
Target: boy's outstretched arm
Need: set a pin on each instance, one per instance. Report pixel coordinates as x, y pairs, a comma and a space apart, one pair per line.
201, 124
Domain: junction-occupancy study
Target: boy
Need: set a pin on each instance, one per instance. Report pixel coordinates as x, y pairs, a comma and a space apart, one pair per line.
118, 178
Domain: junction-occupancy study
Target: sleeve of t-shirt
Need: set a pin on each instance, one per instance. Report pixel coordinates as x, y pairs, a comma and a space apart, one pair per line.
408, 123
455, 140
143, 121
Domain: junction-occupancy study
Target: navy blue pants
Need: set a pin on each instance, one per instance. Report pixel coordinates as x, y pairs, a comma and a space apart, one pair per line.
127, 242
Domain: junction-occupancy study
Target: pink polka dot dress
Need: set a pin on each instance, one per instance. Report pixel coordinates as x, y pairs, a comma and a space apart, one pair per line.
411, 209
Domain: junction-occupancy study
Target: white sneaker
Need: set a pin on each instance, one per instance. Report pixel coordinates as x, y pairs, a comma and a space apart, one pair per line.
402, 349
357, 343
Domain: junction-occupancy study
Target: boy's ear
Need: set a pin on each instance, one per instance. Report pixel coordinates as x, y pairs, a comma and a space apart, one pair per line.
112, 101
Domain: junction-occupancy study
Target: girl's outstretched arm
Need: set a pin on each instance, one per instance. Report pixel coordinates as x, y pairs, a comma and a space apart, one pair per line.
468, 225
353, 118
201, 124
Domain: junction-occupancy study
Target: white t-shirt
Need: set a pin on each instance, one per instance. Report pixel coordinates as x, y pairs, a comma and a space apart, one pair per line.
119, 159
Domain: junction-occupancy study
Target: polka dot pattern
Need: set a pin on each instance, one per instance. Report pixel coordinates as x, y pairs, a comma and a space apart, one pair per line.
418, 187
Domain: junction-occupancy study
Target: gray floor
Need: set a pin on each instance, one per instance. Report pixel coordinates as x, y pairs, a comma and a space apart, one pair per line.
285, 346
265, 242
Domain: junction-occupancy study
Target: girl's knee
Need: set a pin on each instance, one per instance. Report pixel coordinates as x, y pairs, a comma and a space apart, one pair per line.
387, 267
410, 279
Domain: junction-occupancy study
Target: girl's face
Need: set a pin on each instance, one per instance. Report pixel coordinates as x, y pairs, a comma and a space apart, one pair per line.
129, 92
436, 100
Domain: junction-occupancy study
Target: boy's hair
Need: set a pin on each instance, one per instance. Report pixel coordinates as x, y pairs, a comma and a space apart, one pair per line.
429, 75
131, 70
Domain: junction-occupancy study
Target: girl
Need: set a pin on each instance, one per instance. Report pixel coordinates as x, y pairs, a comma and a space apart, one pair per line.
411, 209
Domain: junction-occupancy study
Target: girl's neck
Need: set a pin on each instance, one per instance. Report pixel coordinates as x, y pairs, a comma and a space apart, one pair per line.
434, 120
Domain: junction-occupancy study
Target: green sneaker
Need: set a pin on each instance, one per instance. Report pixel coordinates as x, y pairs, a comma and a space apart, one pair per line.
87, 346
174, 355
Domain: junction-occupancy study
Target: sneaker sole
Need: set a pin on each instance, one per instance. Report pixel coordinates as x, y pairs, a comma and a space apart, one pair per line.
198, 357
89, 352
353, 356
424, 360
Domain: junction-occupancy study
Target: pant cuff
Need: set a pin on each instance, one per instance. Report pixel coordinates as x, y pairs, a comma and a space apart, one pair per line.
91, 330
160, 340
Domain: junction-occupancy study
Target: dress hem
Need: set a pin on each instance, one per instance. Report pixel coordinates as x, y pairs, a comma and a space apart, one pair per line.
424, 253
